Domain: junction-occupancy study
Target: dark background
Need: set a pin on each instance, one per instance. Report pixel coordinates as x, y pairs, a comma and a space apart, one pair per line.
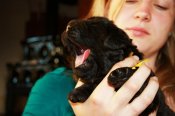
21, 19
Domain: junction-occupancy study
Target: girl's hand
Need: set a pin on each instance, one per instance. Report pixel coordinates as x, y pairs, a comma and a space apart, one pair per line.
105, 101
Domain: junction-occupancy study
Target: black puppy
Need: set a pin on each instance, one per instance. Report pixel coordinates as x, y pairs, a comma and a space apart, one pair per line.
94, 46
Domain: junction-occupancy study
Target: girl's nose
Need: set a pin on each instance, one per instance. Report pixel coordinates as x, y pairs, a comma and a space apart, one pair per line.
143, 12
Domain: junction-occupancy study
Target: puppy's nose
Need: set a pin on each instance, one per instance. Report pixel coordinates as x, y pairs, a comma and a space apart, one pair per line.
68, 27
74, 22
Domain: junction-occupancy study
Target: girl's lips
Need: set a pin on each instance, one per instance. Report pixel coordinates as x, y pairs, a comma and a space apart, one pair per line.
138, 31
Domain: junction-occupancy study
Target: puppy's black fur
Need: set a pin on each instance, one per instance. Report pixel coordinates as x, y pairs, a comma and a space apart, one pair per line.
108, 45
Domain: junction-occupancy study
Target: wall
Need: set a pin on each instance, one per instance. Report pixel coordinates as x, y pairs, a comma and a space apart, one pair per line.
13, 17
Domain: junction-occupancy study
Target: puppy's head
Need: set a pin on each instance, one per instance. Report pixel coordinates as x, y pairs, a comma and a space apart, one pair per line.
95, 45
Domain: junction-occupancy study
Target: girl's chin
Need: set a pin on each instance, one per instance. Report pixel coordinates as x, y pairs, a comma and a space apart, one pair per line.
140, 47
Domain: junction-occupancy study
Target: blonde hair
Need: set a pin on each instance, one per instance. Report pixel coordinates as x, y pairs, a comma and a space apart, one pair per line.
166, 58
101, 8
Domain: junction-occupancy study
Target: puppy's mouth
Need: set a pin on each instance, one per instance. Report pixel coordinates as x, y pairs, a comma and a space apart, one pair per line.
81, 58
81, 53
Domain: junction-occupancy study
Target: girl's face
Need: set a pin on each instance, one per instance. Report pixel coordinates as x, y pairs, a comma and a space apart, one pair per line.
148, 23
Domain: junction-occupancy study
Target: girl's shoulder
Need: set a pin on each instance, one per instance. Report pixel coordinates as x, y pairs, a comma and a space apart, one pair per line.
49, 94
58, 80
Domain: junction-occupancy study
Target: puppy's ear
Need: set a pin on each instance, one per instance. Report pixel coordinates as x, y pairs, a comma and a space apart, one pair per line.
116, 37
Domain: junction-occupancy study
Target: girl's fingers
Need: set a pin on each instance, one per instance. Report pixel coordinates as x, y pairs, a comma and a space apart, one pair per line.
79, 83
103, 90
140, 103
130, 87
104, 95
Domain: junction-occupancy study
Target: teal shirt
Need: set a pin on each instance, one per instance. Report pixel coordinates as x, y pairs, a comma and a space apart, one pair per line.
48, 96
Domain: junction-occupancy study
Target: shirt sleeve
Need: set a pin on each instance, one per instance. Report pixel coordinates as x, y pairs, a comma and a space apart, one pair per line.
48, 96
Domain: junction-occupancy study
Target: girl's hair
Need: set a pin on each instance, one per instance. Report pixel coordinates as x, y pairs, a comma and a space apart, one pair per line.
165, 62
166, 66
101, 8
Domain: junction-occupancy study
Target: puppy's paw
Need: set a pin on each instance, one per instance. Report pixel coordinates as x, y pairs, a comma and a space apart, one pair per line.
119, 76
81, 93
76, 96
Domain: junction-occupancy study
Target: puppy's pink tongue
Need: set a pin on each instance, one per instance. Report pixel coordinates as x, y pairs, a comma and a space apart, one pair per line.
81, 58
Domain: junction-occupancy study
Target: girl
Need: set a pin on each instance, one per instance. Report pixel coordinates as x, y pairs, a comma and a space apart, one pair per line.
151, 25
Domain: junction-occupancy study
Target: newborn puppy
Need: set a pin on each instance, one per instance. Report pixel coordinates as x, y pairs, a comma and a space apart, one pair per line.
94, 46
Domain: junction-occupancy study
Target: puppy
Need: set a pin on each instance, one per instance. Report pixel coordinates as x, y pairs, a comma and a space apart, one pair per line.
94, 46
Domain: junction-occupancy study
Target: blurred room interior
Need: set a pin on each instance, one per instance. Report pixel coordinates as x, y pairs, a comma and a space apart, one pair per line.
29, 45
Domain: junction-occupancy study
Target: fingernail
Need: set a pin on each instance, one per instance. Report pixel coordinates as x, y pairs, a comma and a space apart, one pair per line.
136, 57
155, 78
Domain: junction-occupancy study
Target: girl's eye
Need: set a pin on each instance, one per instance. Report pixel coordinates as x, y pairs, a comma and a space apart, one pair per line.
131, 1
161, 7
